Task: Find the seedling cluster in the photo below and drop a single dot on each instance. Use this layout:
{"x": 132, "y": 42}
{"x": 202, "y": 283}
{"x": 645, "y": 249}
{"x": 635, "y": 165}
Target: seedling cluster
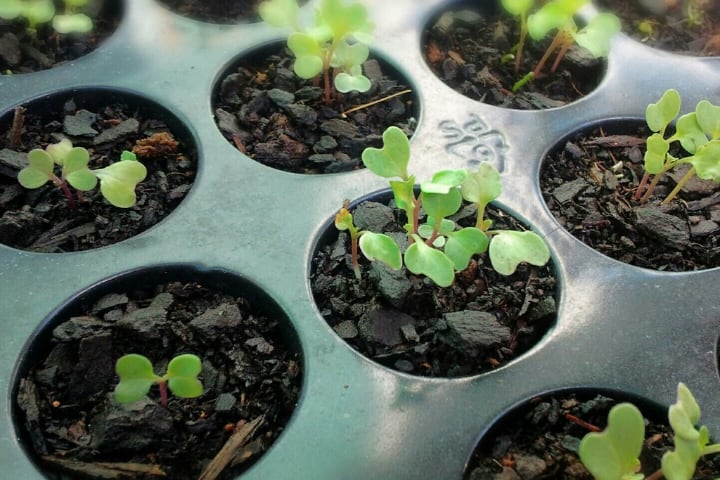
{"x": 117, "y": 180}
{"x": 39, "y": 12}
{"x": 698, "y": 133}
{"x": 438, "y": 247}
{"x": 137, "y": 376}
{"x": 614, "y": 453}
{"x": 335, "y": 46}
{"x": 559, "y": 16}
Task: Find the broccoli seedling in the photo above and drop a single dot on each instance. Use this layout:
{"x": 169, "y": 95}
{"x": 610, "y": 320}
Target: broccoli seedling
{"x": 519, "y": 8}
{"x": 438, "y": 247}
{"x": 137, "y": 376}
{"x": 335, "y": 46}
{"x": 698, "y": 133}
{"x": 614, "y": 453}
{"x": 38, "y": 12}
{"x": 117, "y": 180}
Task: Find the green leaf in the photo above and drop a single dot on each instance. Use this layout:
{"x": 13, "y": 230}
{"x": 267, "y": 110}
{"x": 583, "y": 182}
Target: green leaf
{"x": 59, "y": 151}
{"x": 38, "y": 171}
{"x": 279, "y": 13}
{"x": 689, "y": 133}
{"x": 38, "y": 11}
{"x": 422, "y": 259}
{"x": 675, "y": 467}
{"x": 656, "y": 153}
{"x": 550, "y": 16}
{"x": 343, "y": 19}
{"x": 76, "y": 171}
{"x": 182, "y": 375}
{"x": 75, "y": 23}
{"x": 659, "y": 115}
{"x": 392, "y": 159}
{"x": 354, "y": 81}
{"x": 463, "y": 244}
{"x": 404, "y": 194}
{"x": 482, "y": 185}
{"x": 118, "y": 181}
{"x": 136, "y": 377}
{"x": 707, "y": 161}
{"x": 613, "y": 454}
{"x": 127, "y": 155}
{"x": 708, "y": 117}
{"x": 595, "y": 36}
{"x": 378, "y": 246}
{"x": 439, "y": 205}
{"x": 348, "y": 55}
{"x": 517, "y": 7}
{"x": 509, "y": 248}
{"x": 443, "y": 180}
{"x": 308, "y": 55}
{"x": 10, "y": 9}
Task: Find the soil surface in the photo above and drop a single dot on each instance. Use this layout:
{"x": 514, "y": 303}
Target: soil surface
{"x": 465, "y": 49}
{"x": 671, "y": 29}
{"x": 248, "y": 373}
{"x": 22, "y": 51}
{"x": 539, "y": 441}
{"x": 589, "y": 184}
{"x": 282, "y": 121}
{"x": 43, "y": 220}
{"x": 407, "y": 323}
{"x": 217, "y": 11}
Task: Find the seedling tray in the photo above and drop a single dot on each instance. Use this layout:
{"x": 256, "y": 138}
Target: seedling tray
{"x": 619, "y": 328}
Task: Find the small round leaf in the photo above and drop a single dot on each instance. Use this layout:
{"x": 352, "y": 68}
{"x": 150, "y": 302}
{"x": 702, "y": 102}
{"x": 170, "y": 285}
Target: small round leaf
{"x": 509, "y": 248}
{"x": 422, "y": 259}
{"x": 378, "y": 246}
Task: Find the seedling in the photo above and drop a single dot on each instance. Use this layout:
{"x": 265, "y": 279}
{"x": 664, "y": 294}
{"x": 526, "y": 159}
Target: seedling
{"x": 698, "y": 133}
{"x": 438, "y": 247}
{"x": 38, "y": 12}
{"x": 117, "y": 181}
{"x": 614, "y": 453}
{"x": 137, "y": 376}
{"x": 335, "y": 46}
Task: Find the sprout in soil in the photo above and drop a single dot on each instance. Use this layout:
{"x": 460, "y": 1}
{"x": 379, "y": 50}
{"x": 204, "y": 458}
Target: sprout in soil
{"x": 117, "y": 180}
{"x": 38, "y": 12}
{"x": 698, "y": 133}
{"x": 335, "y": 46}
{"x": 438, "y": 247}
{"x": 559, "y": 16}
{"x": 614, "y": 453}
{"x": 137, "y": 376}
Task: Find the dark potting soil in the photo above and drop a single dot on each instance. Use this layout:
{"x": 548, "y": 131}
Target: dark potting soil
{"x": 589, "y": 184}
{"x": 539, "y": 441}
{"x": 282, "y": 121}
{"x": 248, "y": 373}
{"x": 408, "y": 323}
{"x": 22, "y": 51}
{"x": 43, "y": 220}
{"x": 217, "y": 11}
{"x": 465, "y": 49}
{"x": 672, "y": 30}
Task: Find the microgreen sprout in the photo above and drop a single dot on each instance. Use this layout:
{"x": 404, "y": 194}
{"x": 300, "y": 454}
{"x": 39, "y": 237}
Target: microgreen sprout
{"x": 614, "y": 453}
{"x": 698, "y": 133}
{"x": 335, "y": 46}
{"x": 38, "y": 12}
{"x": 117, "y": 180}
{"x": 137, "y": 376}
{"x": 438, "y": 247}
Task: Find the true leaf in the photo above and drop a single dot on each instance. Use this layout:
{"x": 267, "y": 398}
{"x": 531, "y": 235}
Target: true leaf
{"x": 392, "y": 159}
{"x": 443, "y": 180}
{"x": 59, "y": 151}
{"x": 378, "y": 246}
{"x": 509, "y": 248}
{"x": 422, "y": 259}
{"x": 659, "y": 115}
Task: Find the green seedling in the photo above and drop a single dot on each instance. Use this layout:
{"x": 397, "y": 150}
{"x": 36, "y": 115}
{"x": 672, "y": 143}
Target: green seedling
{"x": 335, "y": 46}
{"x": 614, "y": 453}
{"x": 438, "y": 247}
{"x": 137, "y": 376}
{"x": 39, "y": 12}
{"x": 519, "y": 8}
{"x": 559, "y": 16}
{"x": 117, "y": 181}
{"x": 697, "y": 132}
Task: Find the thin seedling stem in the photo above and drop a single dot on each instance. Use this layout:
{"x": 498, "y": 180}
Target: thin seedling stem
{"x": 679, "y": 186}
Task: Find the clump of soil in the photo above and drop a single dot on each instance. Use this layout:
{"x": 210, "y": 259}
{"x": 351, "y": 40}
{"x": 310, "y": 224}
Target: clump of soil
{"x": 282, "y": 121}
{"x": 22, "y": 51}
{"x": 43, "y": 220}
{"x": 540, "y": 440}
{"x": 408, "y": 323}
{"x": 671, "y": 28}
{"x": 589, "y": 184}
{"x": 249, "y": 374}
{"x": 466, "y": 49}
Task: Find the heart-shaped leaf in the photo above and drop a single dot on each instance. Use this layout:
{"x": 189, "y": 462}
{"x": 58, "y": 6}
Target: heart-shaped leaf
{"x": 182, "y": 375}
{"x": 352, "y": 82}
{"x": 463, "y": 244}
{"x": 708, "y": 117}
{"x": 707, "y": 161}
{"x": 596, "y": 35}
{"x": 378, "y": 246}
{"x": 689, "y": 132}
{"x": 659, "y": 115}
{"x": 118, "y": 182}
{"x": 392, "y": 159}
{"x": 509, "y": 248}
{"x": 439, "y": 205}
{"x": 279, "y": 13}
{"x": 38, "y": 171}
{"x": 76, "y": 171}
{"x": 422, "y": 259}
{"x": 656, "y": 153}
{"x": 136, "y": 377}
{"x": 482, "y": 185}
{"x": 517, "y": 7}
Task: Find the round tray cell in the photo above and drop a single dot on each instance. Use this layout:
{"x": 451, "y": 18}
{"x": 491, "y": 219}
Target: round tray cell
{"x": 105, "y": 122}
{"x": 281, "y": 120}
{"x": 469, "y": 45}
{"x": 407, "y": 323}
{"x": 689, "y": 27}
{"x": 217, "y": 11}
{"x": 23, "y": 50}
{"x": 539, "y": 438}
{"x": 589, "y": 181}
{"x": 64, "y": 410}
